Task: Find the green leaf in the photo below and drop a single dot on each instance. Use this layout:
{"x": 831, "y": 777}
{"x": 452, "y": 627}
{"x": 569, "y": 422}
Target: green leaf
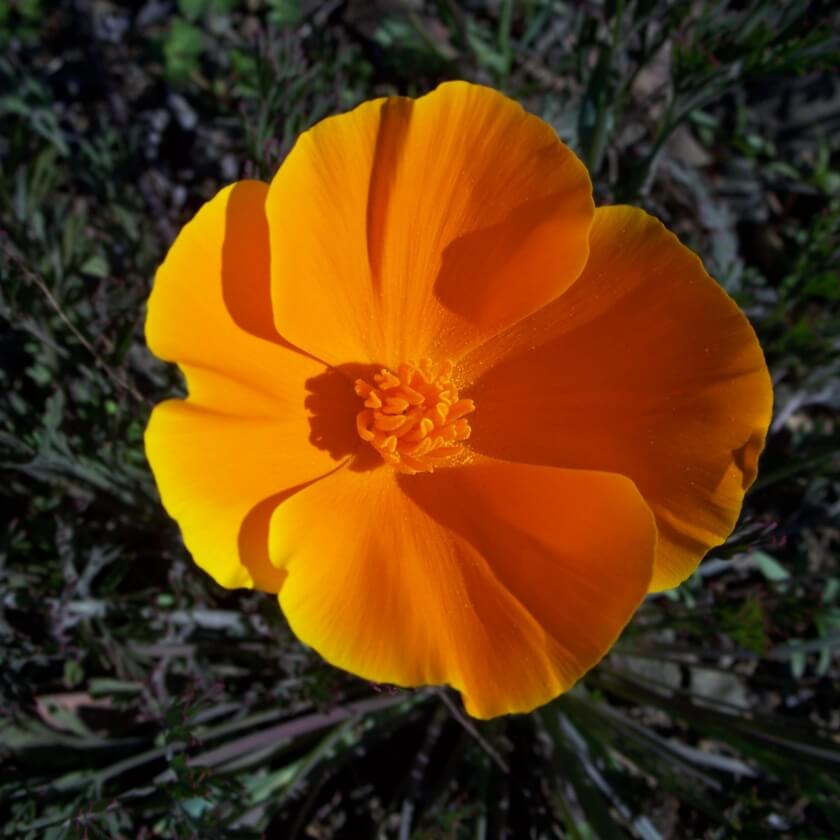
{"x": 284, "y": 12}
{"x": 182, "y": 50}
{"x": 770, "y": 567}
{"x": 96, "y": 266}
{"x": 104, "y": 686}
{"x": 193, "y": 9}
{"x": 74, "y": 674}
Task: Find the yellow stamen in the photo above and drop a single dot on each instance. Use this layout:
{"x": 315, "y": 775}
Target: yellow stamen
{"x": 414, "y": 418}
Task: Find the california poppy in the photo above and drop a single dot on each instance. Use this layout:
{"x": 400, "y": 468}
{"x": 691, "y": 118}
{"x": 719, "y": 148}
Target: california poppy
{"x": 459, "y": 420}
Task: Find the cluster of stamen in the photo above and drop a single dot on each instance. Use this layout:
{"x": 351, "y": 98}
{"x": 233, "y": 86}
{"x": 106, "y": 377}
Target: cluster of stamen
{"x": 414, "y": 418}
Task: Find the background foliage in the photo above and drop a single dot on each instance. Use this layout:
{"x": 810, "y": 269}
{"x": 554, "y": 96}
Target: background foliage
{"x": 140, "y": 700}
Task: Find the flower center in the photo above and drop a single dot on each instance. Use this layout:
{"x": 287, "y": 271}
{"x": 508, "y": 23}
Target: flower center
{"x": 414, "y": 418}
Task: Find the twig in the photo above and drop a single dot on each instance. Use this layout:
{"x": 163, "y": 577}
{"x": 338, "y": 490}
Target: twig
{"x": 56, "y": 306}
{"x": 470, "y": 727}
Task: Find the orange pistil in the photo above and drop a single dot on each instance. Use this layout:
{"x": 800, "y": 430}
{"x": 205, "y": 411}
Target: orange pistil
{"x": 414, "y": 418}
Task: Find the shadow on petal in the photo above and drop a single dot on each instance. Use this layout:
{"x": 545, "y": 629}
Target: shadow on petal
{"x": 246, "y": 279}
{"x": 333, "y": 404}
{"x": 246, "y": 276}
{"x": 391, "y": 137}
{"x": 253, "y": 542}
{"x": 495, "y": 275}
{"x": 745, "y": 458}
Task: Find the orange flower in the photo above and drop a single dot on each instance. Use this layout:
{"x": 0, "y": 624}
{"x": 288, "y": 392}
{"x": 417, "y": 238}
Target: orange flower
{"x": 458, "y": 419}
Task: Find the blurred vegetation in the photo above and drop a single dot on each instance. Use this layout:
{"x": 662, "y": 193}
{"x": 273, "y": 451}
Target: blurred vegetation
{"x": 138, "y": 699}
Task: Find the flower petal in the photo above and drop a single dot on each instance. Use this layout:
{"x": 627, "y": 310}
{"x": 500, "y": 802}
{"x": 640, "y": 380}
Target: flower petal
{"x": 210, "y": 307}
{"x": 507, "y": 581}
{"x": 213, "y": 471}
{"x": 244, "y": 436}
{"x": 644, "y": 367}
{"x": 407, "y": 228}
